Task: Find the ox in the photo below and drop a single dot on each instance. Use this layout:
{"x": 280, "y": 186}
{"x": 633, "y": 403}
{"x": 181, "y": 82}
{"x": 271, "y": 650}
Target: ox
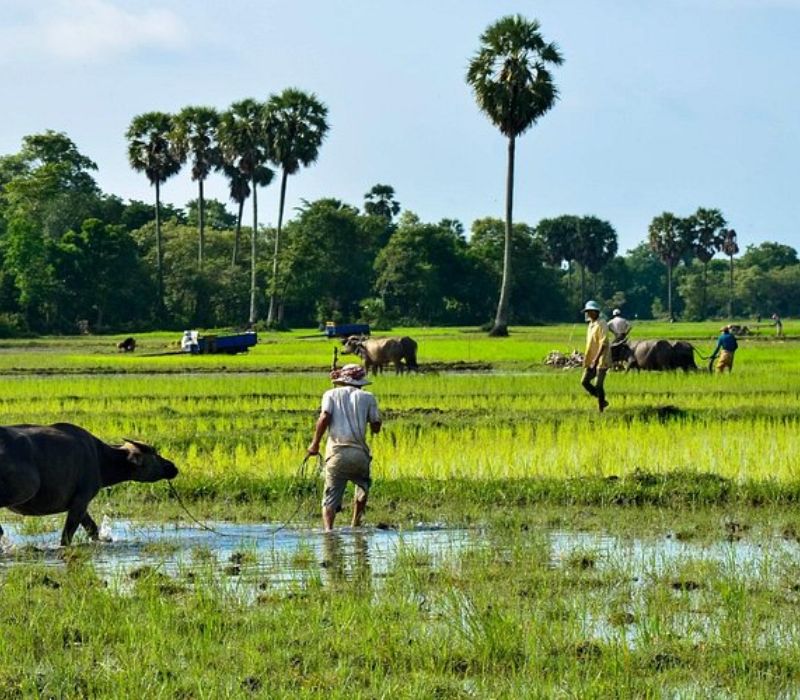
{"x": 127, "y": 345}
{"x": 378, "y": 352}
{"x": 657, "y": 355}
{"x": 46, "y": 469}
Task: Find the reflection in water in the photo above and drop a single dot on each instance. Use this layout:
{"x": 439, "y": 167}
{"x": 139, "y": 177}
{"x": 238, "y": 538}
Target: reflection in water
{"x": 335, "y": 558}
{"x": 277, "y": 556}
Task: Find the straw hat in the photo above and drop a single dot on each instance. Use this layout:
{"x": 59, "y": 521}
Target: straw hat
{"x": 352, "y": 375}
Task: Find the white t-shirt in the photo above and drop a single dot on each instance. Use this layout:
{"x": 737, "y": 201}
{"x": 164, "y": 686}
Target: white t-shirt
{"x": 350, "y": 409}
{"x": 619, "y": 326}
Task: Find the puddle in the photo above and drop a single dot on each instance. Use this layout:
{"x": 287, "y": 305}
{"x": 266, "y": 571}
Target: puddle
{"x": 656, "y": 555}
{"x": 251, "y": 558}
{"x": 247, "y": 555}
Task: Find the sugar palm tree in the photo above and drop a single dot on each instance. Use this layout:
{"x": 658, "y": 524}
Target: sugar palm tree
{"x": 730, "y": 247}
{"x": 670, "y": 238}
{"x": 380, "y": 201}
{"x": 708, "y": 227}
{"x": 239, "y": 191}
{"x": 296, "y": 124}
{"x": 510, "y": 76}
{"x": 150, "y": 150}
{"x": 243, "y": 141}
{"x": 195, "y": 136}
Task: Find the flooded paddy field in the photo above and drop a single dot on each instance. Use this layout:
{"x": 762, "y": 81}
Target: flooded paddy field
{"x": 496, "y": 610}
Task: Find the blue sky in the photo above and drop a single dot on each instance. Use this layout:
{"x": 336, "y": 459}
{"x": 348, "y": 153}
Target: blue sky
{"x": 666, "y": 105}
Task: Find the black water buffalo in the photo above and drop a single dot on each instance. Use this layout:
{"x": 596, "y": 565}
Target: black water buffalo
{"x": 683, "y": 355}
{"x": 127, "y": 345}
{"x": 46, "y": 469}
{"x": 378, "y": 352}
{"x": 657, "y": 355}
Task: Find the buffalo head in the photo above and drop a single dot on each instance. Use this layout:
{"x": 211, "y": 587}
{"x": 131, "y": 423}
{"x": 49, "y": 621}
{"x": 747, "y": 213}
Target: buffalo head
{"x": 146, "y": 464}
{"x": 352, "y": 344}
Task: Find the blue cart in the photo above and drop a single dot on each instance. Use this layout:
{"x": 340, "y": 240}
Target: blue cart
{"x": 225, "y": 344}
{"x": 343, "y": 330}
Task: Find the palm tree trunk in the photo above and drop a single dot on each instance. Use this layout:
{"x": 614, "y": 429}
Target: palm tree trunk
{"x": 237, "y": 234}
{"x": 705, "y": 292}
{"x": 583, "y": 284}
{"x": 730, "y": 300}
{"x": 500, "y": 327}
{"x": 159, "y": 271}
{"x": 253, "y": 257}
{"x": 669, "y": 290}
{"x": 202, "y": 225}
{"x": 274, "y": 281}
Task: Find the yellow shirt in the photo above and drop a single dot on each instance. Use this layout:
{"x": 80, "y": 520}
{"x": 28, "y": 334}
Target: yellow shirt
{"x": 596, "y": 335}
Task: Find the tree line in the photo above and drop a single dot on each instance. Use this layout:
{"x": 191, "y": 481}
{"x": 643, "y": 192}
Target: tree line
{"x": 71, "y": 253}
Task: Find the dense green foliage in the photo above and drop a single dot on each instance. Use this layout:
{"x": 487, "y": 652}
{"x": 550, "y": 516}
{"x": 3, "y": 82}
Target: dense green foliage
{"x": 70, "y": 253}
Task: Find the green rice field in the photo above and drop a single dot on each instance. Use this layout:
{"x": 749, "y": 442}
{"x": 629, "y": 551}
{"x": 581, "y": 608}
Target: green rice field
{"x": 650, "y": 551}
{"x": 251, "y": 416}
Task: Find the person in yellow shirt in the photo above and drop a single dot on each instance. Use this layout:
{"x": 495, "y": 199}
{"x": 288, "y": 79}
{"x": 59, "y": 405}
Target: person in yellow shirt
{"x": 597, "y": 358}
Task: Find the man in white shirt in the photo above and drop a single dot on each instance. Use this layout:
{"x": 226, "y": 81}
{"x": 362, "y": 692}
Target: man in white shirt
{"x": 619, "y": 326}
{"x": 346, "y": 412}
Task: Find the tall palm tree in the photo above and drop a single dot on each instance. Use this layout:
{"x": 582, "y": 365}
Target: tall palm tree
{"x": 730, "y": 247}
{"x": 510, "y": 76}
{"x": 380, "y": 201}
{"x": 670, "y": 238}
{"x": 150, "y": 150}
{"x": 708, "y": 227}
{"x": 239, "y": 190}
{"x": 195, "y": 137}
{"x": 243, "y": 139}
{"x": 296, "y": 124}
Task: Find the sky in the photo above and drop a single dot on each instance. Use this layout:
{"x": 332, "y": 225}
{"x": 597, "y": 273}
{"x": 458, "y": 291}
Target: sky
{"x": 664, "y": 105}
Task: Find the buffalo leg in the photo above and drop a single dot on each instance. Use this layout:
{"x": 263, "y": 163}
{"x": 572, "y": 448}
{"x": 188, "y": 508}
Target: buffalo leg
{"x": 75, "y": 516}
{"x": 90, "y": 526}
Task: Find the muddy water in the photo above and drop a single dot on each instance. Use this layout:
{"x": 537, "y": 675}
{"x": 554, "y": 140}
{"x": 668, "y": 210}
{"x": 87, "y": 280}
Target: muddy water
{"x": 273, "y": 555}
{"x": 270, "y": 555}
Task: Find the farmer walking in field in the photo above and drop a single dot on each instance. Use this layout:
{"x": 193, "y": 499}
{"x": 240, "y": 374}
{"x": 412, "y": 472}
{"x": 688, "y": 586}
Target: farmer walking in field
{"x": 726, "y": 348}
{"x": 346, "y": 411}
{"x": 776, "y": 320}
{"x": 597, "y": 358}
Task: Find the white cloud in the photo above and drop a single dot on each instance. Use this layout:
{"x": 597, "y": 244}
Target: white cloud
{"x": 92, "y": 29}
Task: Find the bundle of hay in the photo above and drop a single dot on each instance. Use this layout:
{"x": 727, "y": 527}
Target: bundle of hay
{"x": 559, "y": 359}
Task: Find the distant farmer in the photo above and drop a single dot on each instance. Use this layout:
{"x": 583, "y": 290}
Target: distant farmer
{"x": 726, "y": 348}
{"x": 346, "y": 412}
{"x": 778, "y": 325}
{"x": 597, "y": 358}
{"x": 619, "y": 326}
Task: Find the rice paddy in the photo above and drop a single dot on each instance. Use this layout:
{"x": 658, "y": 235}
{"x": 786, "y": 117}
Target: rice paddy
{"x": 649, "y": 551}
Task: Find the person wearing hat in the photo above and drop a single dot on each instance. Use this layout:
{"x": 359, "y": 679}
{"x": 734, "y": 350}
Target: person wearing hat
{"x": 726, "y": 348}
{"x": 597, "y": 358}
{"x": 619, "y": 326}
{"x": 346, "y": 411}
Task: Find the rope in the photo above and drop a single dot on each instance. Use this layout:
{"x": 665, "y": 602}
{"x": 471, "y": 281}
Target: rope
{"x": 300, "y": 477}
